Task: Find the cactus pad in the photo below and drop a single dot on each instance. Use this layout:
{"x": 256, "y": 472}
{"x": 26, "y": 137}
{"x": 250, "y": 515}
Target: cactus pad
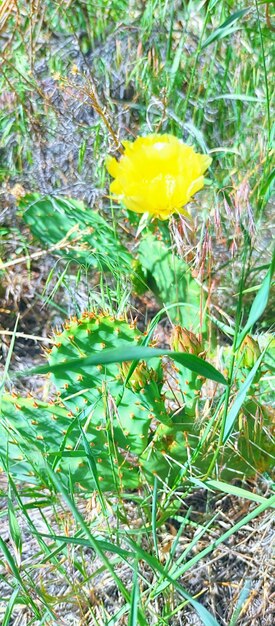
{"x": 85, "y": 235}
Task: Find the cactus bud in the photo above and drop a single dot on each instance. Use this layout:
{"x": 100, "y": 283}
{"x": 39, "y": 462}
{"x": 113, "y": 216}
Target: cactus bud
{"x": 250, "y": 352}
{"x": 183, "y": 340}
{"x": 140, "y": 377}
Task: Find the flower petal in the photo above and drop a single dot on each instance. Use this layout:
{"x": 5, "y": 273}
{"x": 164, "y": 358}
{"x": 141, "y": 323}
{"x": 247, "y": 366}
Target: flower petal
{"x": 157, "y": 174}
{"x": 112, "y": 166}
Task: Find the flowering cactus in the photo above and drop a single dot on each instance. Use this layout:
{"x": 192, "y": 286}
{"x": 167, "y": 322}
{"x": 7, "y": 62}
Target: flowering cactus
{"x": 157, "y": 174}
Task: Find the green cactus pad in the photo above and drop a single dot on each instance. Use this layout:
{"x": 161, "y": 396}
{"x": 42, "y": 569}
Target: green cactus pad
{"x": 87, "y": 237}
{"x": 94, "y": 394}
{"x": 170, "y": 279}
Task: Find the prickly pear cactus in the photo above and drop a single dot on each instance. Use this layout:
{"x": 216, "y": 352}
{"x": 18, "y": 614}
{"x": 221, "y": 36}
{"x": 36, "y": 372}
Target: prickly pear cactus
{"x": 188, "y": 385}
{"x": 255, "y": 421}
{"x": 86, "y": 412}
{"x": 251, "y": 446}
{"x": 108, "y": 430}
{"x": 172, "y": 447}
{"x": 79, "y": 233}
{"x": 117, "y": 428}
{"x": 31, "y": 431}
{"x": 170, "y": 279}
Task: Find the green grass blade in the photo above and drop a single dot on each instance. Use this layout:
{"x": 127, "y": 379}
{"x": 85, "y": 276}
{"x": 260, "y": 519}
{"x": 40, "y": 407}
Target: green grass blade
{"x": 93, "y": 542}
{"x": 225, "y": 28}
{"x": 80, "y": 541}
{"x": 9, "y": 608}
{"x": 155, "y": 565}
{"x": 154, "y": 515}
{"x": 240, "y": 397}
{"x": 265, "y": 71}
{"x": 119, "y": 355}
{"x": 135, "y": 596}
{"x": 270, "y": 503}
{"x": 192, "y": 545}
{"x": 230, "y": 489}
{"x": 14, "y": 530}
{"x": 8, "y": 360}
{"x": 236, "y": 96}
{"x": 259, "y": 303}
{"x": 93, "y": 469}
{"x": 240, "y": 603}
{"x": 14, "y": 569}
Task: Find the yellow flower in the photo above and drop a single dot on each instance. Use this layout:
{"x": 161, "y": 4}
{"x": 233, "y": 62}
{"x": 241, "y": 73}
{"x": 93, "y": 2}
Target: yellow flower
{"x": 157, "y": 174}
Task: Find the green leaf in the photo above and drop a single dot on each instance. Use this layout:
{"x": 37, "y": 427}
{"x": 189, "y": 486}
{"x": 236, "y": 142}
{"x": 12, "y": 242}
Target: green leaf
{"x": 240, "y": 397}
{"x": 259, "y": 303}
{"x": 233, "y": 490}
{"x": 203, "y": 613}
{"x": 225, "y": 29}
{"x": 135, "y": 597}
{"x": 119, "y": 355}
{"x": 9, "y": 607}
